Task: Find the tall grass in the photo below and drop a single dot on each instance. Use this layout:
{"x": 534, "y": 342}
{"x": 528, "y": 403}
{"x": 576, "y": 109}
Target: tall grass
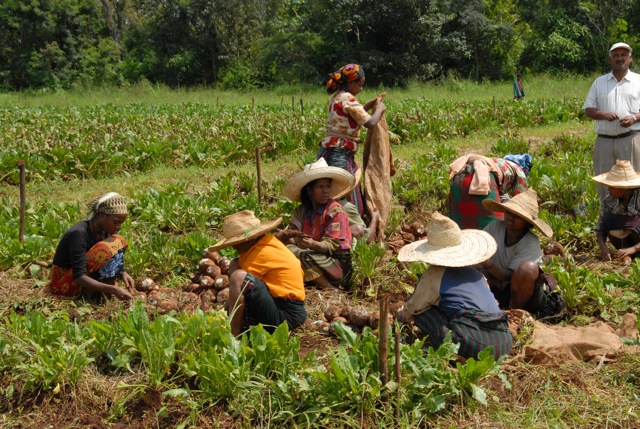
{"x": 450, "y": 88}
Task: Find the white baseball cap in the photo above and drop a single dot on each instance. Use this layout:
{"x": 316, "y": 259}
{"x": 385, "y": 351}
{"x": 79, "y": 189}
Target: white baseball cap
{"x": 621, "y": 45}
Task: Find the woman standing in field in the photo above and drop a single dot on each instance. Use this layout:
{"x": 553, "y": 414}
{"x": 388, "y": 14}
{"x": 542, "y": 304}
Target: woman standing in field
{"x": 345, "y": 118}
{"x": 319, "y": 233}
{"x": 619, "y": 219}
{"x": 90, "y": 255}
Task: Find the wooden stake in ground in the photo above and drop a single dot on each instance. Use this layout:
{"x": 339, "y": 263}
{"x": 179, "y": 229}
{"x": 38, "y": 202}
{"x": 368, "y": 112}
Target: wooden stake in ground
{"x": 23, "y": 199}
{"x": 259, "y": 175}
{"x": 396, "y": 330}
{"x": 383, "y": 340}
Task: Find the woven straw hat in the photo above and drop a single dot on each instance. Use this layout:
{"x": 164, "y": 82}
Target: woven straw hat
{"x": 341, "y": 180}
{"x": 524, "y": 205}
{"x": 243, "y": 226}
{"x": 357, "y": 175}
{"x": 449, "y": 246}
{"x": 622, "y": 175}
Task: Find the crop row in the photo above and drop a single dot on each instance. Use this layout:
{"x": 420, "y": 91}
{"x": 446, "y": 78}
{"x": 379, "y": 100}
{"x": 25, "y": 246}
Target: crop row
{"x": 99, "y": 141}
{"x": 196, "y": 360}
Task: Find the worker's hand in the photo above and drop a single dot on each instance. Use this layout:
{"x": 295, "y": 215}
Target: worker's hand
{"x": 627, "y": 121}
{"x": 605, "y": 254}
{"x": 122, "y": 294}
{"x": 627, "y": 251}
{"x": 128, "y": 281}
{"x": 609, "y": 116}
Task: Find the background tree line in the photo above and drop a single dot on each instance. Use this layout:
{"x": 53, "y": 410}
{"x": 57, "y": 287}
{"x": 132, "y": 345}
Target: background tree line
{"x": 255, "y": 43}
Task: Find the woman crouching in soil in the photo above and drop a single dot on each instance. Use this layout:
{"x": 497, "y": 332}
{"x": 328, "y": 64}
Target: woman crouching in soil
{"x": 90, "y": 255}
{"x": 452, "y": 296}
{"x": 265, "y": 280}
{"x": 619, "y": 218}
{"x": 319, "y": 233}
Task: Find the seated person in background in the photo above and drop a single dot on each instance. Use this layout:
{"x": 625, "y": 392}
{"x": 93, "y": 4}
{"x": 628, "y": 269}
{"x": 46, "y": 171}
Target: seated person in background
{"x": 475, "y": 178}
{"x": 358, "y": 228}
{"x": 265, "y": 280}
{"x": 513, "y": 272}
{"x": 90, "y": 255}
{"x": 619, "y": 218}
{"x": 451, "y": 296}
{"x": 319, "y": 233}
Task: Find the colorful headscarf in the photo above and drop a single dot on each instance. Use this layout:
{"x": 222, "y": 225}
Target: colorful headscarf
{"x": 347, "y": 73}
{"x": 110, "y": 203}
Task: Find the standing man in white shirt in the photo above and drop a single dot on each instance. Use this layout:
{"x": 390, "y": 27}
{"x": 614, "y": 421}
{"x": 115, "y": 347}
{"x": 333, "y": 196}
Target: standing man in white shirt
{"x": 614, "y": 103}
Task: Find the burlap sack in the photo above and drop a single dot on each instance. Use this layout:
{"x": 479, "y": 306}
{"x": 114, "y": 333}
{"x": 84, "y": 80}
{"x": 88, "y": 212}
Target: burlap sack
{"x": 378, "y": 169}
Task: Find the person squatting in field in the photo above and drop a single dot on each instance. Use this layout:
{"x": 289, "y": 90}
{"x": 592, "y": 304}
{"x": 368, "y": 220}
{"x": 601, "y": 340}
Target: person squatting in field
{"x": 619, "y": 219}
{"x": 614, "y": 103}
{"x": 452, "y": 296}
{"x": 475, "y": 178}
{"x": 514, "y": 272}
{"x": 90, "y": 254}
{"x": 319, "y": 233}
{"x": 345, "y": 118}
{"x": 265, "y": 280}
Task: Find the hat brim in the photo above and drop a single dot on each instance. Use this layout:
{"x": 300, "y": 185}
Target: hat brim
{"x": 357, "y": 176}
{"x": 260, "y": 230}
{"x": 495, "y": 206}
{"x": 341, "y": 181}
{"x": 627, "y": 184}
{"x": 476, "y": 246}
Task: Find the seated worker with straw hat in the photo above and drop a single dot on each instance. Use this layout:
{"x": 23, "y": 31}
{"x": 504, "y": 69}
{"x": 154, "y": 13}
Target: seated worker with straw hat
{"x": 90, "y": 255}
{"x": 359, "y": 228}
{"x": 265, "y": 280}
{"x": 319, "y": 233}
{"x": 514, "y": 272}
{"x": 619, "y": 218}
{"x": 452, "y": 296}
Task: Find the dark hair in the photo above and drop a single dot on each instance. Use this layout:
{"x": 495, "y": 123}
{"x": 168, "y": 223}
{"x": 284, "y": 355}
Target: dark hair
{"x": 305, "y": 198}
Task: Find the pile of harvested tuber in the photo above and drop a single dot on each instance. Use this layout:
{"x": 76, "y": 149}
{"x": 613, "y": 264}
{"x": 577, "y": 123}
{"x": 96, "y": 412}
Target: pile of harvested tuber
{"x": 208, "y": 287}
{"x": 356, "y": 317}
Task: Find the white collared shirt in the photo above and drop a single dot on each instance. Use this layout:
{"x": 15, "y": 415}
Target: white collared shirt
{"x": 609, "y": 95}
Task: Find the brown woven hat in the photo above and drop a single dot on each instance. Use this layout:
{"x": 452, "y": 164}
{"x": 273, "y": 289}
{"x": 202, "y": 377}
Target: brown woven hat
{"x": 341, "y": 180}
{"x": 243, "y": 226}
{"x": 449, "y": 246}
{"x": 622, "y": 175}
{"x": 524, "y": 205}
{"x": 357, "y": 175}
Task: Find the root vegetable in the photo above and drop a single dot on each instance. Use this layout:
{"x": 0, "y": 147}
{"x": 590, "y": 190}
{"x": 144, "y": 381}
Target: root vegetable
{"x": 224, "y": 265}
{"x": 206, "y": 282}
{"x": 190, "y": 287}
{"x": 359, "y": 316}
{"x": 221, "y": 282}
{"x": 213, "y": 255}
{"x": 223, "y": 296}
{"x": 209, "y": 268}
{"x": 346, "y": 311}
{"x": 332, "y": 312}
{"x": 146, "y": 285}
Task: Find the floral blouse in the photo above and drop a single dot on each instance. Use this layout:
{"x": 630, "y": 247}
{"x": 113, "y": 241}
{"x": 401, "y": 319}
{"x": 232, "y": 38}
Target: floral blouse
{"x": 514, "y": 179}
{"x": 345, "y": 119}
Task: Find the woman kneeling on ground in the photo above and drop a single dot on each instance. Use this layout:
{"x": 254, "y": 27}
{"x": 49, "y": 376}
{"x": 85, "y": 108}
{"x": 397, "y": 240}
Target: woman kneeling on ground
{"x": 514, "y": 272}
{"x": 265, "y": 280}
{"x": 319, "y": 233}
{"x": 90, "y": 255}
{"x": 619, "y": 218}
{"x": 452, "y": 296}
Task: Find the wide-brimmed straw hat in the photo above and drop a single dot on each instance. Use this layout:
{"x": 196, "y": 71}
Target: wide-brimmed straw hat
{"x": 341, "y": 180}
{"x": 449, "y": 246}
{"x": 243, "y": 226}
{"x": 524, "y": 205}
{"x": 357, "y": 175}
{"x": 622, "y": 175}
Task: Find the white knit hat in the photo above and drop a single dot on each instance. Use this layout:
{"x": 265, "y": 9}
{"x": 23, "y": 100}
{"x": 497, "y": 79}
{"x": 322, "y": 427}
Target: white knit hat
{"x": 109, "y": 203}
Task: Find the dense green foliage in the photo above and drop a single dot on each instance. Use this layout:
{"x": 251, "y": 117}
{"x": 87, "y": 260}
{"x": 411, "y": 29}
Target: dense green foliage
{"x": 252, "y": 43}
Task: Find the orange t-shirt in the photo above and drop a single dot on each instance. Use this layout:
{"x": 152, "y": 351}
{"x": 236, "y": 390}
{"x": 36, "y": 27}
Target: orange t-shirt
{"x": 270, "y": 261}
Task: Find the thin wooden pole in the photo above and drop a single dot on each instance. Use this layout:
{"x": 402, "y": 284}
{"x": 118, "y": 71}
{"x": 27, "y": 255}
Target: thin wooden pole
{"x": 259, "y": 175}
{"x": 383, "y": 340}
{"x": 397, "y": 329}
{"x": 302, "y": 106}
{"x": 23, "y": 199}
{"x": 253, "y": 103}
{"x": 293, "y": 103}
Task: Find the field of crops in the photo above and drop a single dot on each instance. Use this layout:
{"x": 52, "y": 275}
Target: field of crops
{"x": 185, "y": 166}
